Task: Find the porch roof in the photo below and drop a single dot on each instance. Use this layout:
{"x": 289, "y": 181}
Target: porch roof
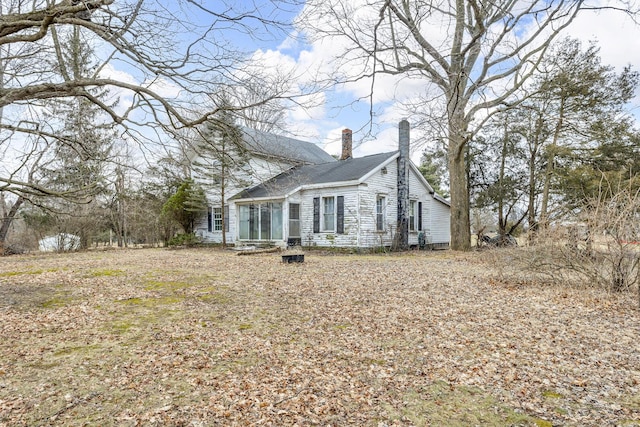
{"x": 332, "y": 173}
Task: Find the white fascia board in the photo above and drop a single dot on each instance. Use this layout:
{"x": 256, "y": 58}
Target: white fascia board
{"x": 441, "y": 199}
{"x": 321, "y": 186}
{"x": 353, "y": 183}
{"x": 258, "y": 199}
{"x": 327, "y": 185}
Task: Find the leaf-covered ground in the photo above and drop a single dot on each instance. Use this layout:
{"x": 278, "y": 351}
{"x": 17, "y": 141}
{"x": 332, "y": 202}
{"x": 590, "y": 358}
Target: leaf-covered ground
{"x": 205, "y": 337}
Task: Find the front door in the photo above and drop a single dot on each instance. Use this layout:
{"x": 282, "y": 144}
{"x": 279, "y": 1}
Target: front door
{"x": 294, "y": 237}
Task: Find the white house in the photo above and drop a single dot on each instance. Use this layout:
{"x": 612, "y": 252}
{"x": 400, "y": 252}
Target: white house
{"x": 301, "y": 195}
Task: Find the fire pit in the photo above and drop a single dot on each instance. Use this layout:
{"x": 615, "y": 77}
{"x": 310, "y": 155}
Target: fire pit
{"x": 288, "y": 259}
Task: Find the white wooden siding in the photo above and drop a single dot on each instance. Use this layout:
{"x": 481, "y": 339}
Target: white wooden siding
{"x": 379, "y": 184}
{"x": 359, "y": 209}
{"x": 440, "y": 220}
{"x": 256, "y": 171}
{"x": 331, "y": 238}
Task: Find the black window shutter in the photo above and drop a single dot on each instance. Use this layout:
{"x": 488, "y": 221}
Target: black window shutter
{"x": 209, "y": 219}
{"x": 419, "y": 216}
{"x": 340, "y": 215}
{"x": 316, "y": 214}
{"x": 226, "y": 218}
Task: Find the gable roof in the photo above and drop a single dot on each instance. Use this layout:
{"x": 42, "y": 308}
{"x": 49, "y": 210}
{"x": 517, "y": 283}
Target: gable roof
{"x": 350, "y": 170}
{"x": 283, "y": 147}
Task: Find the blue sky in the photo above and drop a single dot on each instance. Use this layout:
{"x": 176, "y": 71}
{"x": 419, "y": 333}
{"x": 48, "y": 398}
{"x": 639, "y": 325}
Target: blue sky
{"x": 617, "y": 36}
{"x": 348, "y": 106}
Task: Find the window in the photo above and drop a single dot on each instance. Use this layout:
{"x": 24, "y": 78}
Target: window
{"x": 214, "y": 219}
{"x": 328, "y": 213}
{"x": 217, "y": 219}
{"x": 381, "y": 208}
{"x": 276, "y": 221}
{"x": 260, "y": 221}
{"x": 294, "y": 220}
{"x": 412, "y": 215}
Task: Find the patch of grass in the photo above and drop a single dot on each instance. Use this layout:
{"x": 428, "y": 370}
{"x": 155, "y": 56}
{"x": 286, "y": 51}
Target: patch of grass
{"x": 629, "y": 423}
{"x": 152, "y": 302}
{"x": 444, "y": 404}
{"x": 169, "y": 285}
{"x": 377, "y": 362}
{"x": 238, "y": 362}
{"x": 342, "y": 326}
{"x": 214, "y": 295}
{"x": 550, "y": 394}
{"x": 632, "y": 402}
{"x": 106, "y": 273}
{"x": 121, "y": 327}
{"x": 80, "y": 349}
{"x": 561, "y": 411}
{"x": 245, "y": 326}
{"x": 214, "y": 298}
{"x": 139, "y": 315}
{"x": 25, "y": 272}
{"x": 57, "y": 301}
{"x": 43, "y": 365}
{"x": 12, "y": 273}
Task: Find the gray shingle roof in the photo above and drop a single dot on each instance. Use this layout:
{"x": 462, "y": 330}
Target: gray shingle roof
{"x": 325, "y": 173}
{"x": 283, "y": 147}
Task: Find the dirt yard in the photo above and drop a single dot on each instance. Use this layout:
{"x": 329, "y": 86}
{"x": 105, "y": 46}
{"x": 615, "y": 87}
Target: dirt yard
{"x": 205, "y": 338}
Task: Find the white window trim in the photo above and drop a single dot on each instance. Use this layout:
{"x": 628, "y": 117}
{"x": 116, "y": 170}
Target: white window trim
{"x": 323, "y": 212}
{"x": 258, "y": 206}
{"x": 217, "y": 223}
{"x": 413, "y": 213}
{"x": 383, "y": 213}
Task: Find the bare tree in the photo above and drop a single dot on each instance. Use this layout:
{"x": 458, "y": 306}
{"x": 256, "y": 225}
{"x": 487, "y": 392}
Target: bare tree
{"x": 474, "y": 57}
{"x": 158, "y": 58}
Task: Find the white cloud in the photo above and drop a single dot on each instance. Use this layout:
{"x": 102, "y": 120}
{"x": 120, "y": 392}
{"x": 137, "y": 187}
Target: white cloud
{"x": 616, "y": 34}
{"x": 310, "y": 107}
{"x": 347, "y": 105}
{"x": 292, "y": 42}
{"x": 109, "y": 72}
{"x": 163, "y": 88}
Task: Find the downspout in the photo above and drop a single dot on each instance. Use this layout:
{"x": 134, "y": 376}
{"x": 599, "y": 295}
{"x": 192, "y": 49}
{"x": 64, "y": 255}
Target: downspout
{"x": 358, "y": 215}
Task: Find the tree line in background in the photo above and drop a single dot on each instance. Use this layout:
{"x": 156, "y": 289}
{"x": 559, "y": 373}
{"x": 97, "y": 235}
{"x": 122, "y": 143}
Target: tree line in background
{"x": 532, "y": 129}
{"x": 472, "y": 59}
{"x": 92, "y": 91}
{"x": 570, "y": 141}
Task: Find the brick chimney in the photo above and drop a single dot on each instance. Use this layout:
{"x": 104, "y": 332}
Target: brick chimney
{"x": 347, "y": 144}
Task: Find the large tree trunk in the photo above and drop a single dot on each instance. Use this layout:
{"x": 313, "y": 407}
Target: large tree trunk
{"x": 460, "y": 224}
{"x": 531, "y": 207}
